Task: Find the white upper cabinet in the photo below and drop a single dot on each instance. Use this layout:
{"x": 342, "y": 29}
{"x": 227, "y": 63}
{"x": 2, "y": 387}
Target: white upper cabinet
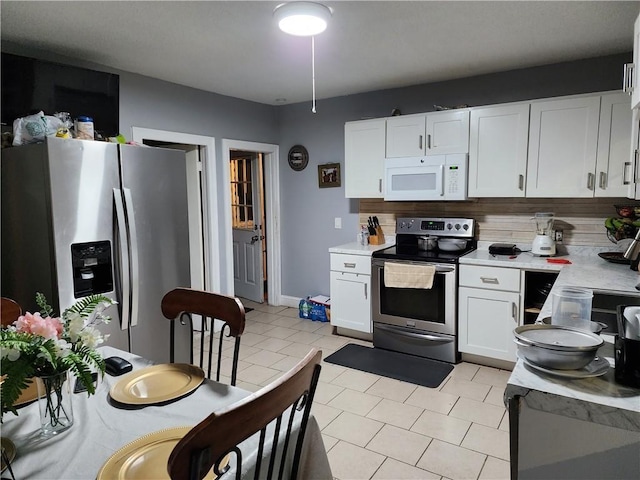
{"x": 498, "y": 151}
{"x": 364, "y": 151}
{"x": 563, "y": 141}
{"x": 632, "y": 71}
{"x": 405, "y": 136}
{"x": 614, "y": 169}
{"x": 447, "y": 132}
{"x": 433, "y": 133}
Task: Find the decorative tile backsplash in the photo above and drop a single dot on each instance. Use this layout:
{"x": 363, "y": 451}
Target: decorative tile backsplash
{"x": 508, "y": 219}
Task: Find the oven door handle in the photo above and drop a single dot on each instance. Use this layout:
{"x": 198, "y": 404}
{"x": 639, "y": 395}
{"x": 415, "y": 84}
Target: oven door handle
{"x": 422, "y": 336}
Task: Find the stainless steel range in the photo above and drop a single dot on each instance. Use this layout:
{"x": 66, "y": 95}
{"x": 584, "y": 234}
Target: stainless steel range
{"x": 421, "y": 321}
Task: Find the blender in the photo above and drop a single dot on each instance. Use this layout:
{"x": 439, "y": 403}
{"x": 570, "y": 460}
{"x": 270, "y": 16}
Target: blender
{"x": 543, "y": 244}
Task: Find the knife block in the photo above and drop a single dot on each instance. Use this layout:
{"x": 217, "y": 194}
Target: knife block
{"x": 378, "y": 238}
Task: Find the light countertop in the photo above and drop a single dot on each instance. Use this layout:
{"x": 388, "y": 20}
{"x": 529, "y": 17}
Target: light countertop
{"x": 354, "y": 248}
{"x": 586, "y": 269}
{"x": 600, "y": 399}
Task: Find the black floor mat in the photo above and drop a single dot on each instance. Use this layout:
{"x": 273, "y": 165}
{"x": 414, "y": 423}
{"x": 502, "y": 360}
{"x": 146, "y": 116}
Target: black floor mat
{"x": 248, "y": 309}
{"x": 408, "y": 368}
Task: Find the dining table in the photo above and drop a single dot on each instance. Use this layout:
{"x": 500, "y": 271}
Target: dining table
{"x": 103, "y": 427}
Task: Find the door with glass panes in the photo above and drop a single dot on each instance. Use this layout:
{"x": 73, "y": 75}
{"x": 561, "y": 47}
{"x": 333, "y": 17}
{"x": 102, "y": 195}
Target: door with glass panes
{"x": 247, "y": 225}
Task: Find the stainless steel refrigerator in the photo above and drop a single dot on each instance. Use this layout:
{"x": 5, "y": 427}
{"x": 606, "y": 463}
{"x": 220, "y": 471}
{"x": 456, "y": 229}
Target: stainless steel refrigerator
{"x": 82, "y": 217}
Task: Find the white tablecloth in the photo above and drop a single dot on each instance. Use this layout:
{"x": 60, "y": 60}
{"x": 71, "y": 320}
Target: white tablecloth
{"x": 101, "y": 429}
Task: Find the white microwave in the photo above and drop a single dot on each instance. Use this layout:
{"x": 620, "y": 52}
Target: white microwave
{"x": 433, "y": 177}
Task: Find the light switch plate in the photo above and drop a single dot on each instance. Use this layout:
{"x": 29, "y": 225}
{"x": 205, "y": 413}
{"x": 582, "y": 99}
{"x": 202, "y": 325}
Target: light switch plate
{"x": 338, "y": 222}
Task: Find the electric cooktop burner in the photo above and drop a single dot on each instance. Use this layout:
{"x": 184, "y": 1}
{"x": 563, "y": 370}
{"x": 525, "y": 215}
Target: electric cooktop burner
{"x": 408, "y": 230}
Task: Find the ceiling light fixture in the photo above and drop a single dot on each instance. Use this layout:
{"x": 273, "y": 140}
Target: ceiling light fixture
{"x": 304, "y": 19}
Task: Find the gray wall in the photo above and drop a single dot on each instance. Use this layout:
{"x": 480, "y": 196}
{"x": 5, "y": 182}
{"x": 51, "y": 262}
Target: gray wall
{"x": 308, "y": 212}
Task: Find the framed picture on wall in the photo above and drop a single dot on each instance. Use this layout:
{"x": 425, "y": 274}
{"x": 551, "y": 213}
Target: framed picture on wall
{"x": 329, "y": 175}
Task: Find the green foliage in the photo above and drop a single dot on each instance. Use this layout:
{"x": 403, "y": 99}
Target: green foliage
{"x": 85, "y": 306}
{"x": 45, "y": 308}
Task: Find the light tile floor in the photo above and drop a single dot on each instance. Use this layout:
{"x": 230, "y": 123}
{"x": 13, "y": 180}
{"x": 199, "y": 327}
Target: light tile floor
{"x": 379, "y": 428}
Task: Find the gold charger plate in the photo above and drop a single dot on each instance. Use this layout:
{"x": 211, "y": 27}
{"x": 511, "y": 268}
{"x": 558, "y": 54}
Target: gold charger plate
{"x": 147, "y": 457}
{"x": 9, "y": 449}
{"x": 157, "y": 384}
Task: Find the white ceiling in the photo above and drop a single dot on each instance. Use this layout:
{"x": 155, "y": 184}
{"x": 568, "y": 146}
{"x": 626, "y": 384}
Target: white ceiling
{"x": 234, "y": 47}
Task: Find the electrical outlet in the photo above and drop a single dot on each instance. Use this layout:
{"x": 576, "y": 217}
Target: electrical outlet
{"x": 558, "y": 236}
{"x": 338, "y": 222}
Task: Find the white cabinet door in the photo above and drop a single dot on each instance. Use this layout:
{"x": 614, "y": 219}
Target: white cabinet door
{"x": 486, "y": 322}
{"x": 447, "y": 132}
{"x": 364, "y": 150}
{"x": 635, "y": 92}
{"x": 405, "y": 136}
{"x": 634, "y": 187}
{"x": 613, "y": 163}
{"x": 563, "y": 140}
{"x": 351, "y": 301}
{"x": 498, "y": 142}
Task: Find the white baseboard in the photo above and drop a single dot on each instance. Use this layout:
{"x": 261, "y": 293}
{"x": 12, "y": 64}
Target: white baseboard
{"x": 288, "y": 301}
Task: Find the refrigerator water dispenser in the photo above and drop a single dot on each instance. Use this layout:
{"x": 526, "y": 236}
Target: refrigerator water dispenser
{"x": 92, "y": 268}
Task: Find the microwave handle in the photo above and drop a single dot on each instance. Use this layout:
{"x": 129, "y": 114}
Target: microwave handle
{"x": 442, "y": 177}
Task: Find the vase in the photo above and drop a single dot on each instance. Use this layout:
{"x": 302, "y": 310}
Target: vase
{"x": 54, "y": 402}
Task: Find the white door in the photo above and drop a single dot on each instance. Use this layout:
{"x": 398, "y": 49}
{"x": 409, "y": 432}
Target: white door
{"x": 563, "y": 140}
{"x": 498, "y": 151}
{"x": 364, "y": 152}
{"x": 487, "y": 319}
{"x": 247, "y": 223}
{"x": 447, "y": 132}
{"x": 405, "y": 136}
{"x": 613, "y": 164}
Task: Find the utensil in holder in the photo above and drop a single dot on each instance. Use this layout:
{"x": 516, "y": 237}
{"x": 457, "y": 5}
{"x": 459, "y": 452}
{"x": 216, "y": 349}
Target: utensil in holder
{"x": 378, "y": 238}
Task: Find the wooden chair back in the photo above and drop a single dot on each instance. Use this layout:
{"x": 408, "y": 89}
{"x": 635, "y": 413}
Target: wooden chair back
{"x": 181, "y": 303}
{"x": 9, "y": 311}
{"x": 287, "y": 399}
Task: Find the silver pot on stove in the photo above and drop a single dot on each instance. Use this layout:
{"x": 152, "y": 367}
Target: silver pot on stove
{"x": 427, "y": 242}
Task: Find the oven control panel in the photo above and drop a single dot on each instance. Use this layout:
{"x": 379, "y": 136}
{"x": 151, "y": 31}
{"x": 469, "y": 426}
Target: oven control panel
{"x": 449, "y": 227}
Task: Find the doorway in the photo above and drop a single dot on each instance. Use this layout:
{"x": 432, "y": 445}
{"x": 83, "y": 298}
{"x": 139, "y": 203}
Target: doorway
{"x": 216, "y": 205}
{"x": 270, "y": 206}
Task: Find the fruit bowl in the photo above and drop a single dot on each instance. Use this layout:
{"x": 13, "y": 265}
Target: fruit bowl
{"x": 628, "y": 211}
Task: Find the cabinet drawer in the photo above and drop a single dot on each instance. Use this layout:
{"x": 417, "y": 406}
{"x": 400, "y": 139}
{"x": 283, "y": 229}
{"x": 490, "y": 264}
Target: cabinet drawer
{"x": 341, "y": 262}
{"x": 491, "y": 278}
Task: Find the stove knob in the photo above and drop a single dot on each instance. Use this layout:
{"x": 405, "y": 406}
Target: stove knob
{"x": 449, "y": 226}
{"x": 466, "y": 226}
{"x": 403, "y": 225}
{"x": 457, "y": 226}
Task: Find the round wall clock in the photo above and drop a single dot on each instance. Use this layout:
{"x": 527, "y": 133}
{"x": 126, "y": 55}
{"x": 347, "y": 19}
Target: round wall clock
{"x": 298, "y": 158}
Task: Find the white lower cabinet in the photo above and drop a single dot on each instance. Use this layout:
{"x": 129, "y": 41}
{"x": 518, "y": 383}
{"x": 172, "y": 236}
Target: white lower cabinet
{"x": 350, "y": 285}
{"x": 488, "y": 315}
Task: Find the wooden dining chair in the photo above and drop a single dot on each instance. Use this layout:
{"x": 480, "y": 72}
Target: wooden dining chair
{"x": 9, "y": 311}
{"x": 285, "y": 400}
{"x": 181, "y": 303}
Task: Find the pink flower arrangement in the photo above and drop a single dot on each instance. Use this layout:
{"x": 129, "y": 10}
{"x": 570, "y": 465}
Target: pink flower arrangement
{"x": 34, "y": 323}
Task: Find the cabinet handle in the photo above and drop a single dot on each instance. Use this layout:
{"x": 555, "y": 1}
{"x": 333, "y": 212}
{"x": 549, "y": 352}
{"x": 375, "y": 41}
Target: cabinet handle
{"x": 420, "y": 142}
{"x": 429, "y": 141}
{"x": 514, "y": 311}
{"x": 366, "y": 295}
{"x": 521, "y": 182}
{"x": 349, "y": 265}
{"x": 380, "y": 185}
{"x": 627, "y": 78}
{"x": 590, "y": 181}
{"x": 603, "y": 180}
{"x": 627, "y": 166}
{"x": 492, "y": 280}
